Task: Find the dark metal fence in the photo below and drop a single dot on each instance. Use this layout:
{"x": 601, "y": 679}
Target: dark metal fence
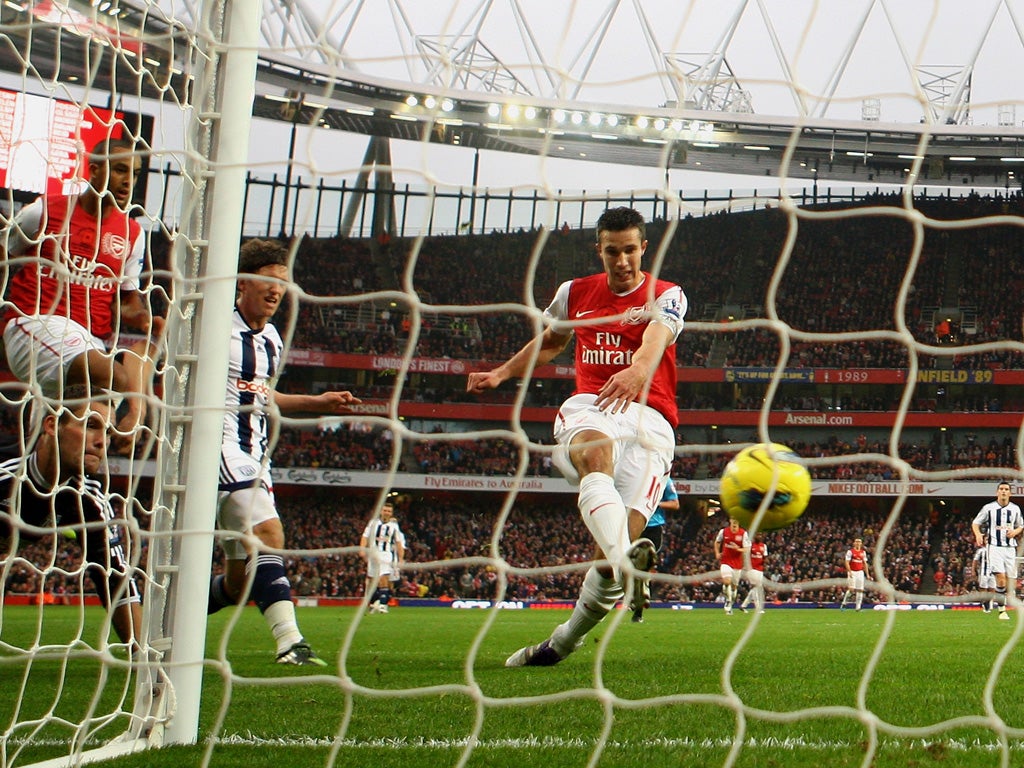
{"x": 273, "y": 206}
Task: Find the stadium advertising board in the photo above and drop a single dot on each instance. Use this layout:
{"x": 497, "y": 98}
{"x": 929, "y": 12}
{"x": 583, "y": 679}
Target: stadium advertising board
{"x": 718, "y": 418}
{"x": 887, "y": 488}
{"x": 408, "y": 481}
{"x": 319, "y": 359}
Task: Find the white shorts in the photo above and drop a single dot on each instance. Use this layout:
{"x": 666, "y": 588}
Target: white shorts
{"x": 239, "y": 511}
{"x": 240, "y": 470}
{"x": 42, "y": 348}
{"x": 986, "y": 581}
{"x": 643, "y": 448}
{"x": 855, "y": 581}
{"x": 727, "y": 572}
{"x": 378, "y": 564}
{"x": 754, "y": 578}
{"x": 1003, "y": 560}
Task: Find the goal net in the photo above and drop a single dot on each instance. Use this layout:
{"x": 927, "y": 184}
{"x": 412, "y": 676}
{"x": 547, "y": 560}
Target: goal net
{"x": 837, "y": 195}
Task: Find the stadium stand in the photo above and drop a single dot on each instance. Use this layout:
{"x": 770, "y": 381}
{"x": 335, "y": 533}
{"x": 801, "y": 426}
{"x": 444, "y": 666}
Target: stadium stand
{"x": 830, "y": 259}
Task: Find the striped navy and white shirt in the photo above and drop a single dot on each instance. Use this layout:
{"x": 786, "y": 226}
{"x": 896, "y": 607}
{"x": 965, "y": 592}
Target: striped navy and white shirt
{"x": 254, "y": 362}
{"x": 384, "y": 537}
{"x": 981, "y": 566}
{"x": 399, "y": 542}
{"x": 999, "y": 520}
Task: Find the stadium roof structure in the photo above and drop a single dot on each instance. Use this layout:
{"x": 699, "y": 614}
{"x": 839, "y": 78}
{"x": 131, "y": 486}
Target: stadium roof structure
{"x": 724, "y": 142}
{"x": 457, "y": 90}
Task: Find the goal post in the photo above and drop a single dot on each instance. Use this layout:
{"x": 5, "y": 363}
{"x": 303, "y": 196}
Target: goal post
{"x": 226, "y": 87}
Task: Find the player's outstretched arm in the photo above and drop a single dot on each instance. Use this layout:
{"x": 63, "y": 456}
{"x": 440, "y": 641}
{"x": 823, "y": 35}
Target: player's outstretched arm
{"x": 134, "y": 314}
{"x": 334, "y": 402}
{"x": 547, "y": 346}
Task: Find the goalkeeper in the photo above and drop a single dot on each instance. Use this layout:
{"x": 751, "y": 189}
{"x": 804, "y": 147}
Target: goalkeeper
{"x": 615, "y": 435}
{"x": 56, "y": 486}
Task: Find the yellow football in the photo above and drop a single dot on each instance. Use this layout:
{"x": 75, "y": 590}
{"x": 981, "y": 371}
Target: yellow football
{"x": 762, "y": 470}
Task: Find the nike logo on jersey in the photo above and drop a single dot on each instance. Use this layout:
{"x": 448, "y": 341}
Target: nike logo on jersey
{"x": 585, "y": 312}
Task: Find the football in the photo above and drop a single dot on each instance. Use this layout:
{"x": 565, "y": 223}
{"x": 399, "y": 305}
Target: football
{"x": 748, "y": 478}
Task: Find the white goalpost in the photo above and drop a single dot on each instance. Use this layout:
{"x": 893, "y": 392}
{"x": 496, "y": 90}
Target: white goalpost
{"x": 225, "y": 87}
{"x": 435, "y": 174}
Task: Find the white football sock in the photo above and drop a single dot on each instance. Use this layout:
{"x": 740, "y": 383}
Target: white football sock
{"x": 281, "y": 619}
{"x": 597, "y": 597}
{"x": 605, "y": 516}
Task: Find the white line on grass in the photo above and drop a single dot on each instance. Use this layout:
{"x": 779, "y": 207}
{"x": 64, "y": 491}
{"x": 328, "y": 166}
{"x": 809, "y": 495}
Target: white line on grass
{"x": 532, "y": 742}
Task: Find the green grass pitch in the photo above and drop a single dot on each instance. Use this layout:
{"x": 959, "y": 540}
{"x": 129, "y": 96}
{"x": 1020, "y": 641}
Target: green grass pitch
{"x": 426, "y": 687}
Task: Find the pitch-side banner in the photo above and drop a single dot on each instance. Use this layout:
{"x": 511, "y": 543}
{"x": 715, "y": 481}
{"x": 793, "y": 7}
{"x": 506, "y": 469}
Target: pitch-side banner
{"x": 700, "y": 488}
{"x": 307, "y": 358}
{"x": 407, "y": 481}
{"x": 751, "y": 418}
{"x": 709, "y": 488}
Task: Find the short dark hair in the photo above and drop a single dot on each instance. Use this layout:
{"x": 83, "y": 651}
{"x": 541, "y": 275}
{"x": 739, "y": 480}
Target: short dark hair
{"x": 621, "y": 219}
{"x": 77, "y": 397}
{"x": 103, "y": 149}
{"x": 256, "y": 254}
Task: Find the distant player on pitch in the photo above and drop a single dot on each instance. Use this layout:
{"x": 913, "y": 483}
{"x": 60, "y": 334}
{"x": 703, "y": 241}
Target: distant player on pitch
{"x": 731, "y": 546}
{"x": 1004, "y": 523}
{"x": 384, "y": 544}
{"x": 856, "y": 567}
{"x": 983, "y": 574}
{"x": 753, "y": 573}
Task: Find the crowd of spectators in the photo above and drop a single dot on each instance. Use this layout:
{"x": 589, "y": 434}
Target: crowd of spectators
{"x": 352, "y": 445}
{"x": 552, "y": 536}
{"x": 355, "y": 446}
{"x": 543, "y": 548}
{"x": 491, "y": 457}
{"x": 545, "y": 535}
{"x": 842, "y": 274}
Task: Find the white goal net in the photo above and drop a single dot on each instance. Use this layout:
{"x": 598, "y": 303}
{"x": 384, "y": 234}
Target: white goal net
{"x": 835, "y": 190}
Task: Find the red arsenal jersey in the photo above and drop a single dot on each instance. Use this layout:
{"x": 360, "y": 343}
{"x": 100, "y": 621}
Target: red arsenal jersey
{"x": 91, "y": 262}
{"x": 604, "y": 349}
{"x": 758, "y": 550}
{"x": 857, "y": 559}
{"x": 730, "y": 556}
